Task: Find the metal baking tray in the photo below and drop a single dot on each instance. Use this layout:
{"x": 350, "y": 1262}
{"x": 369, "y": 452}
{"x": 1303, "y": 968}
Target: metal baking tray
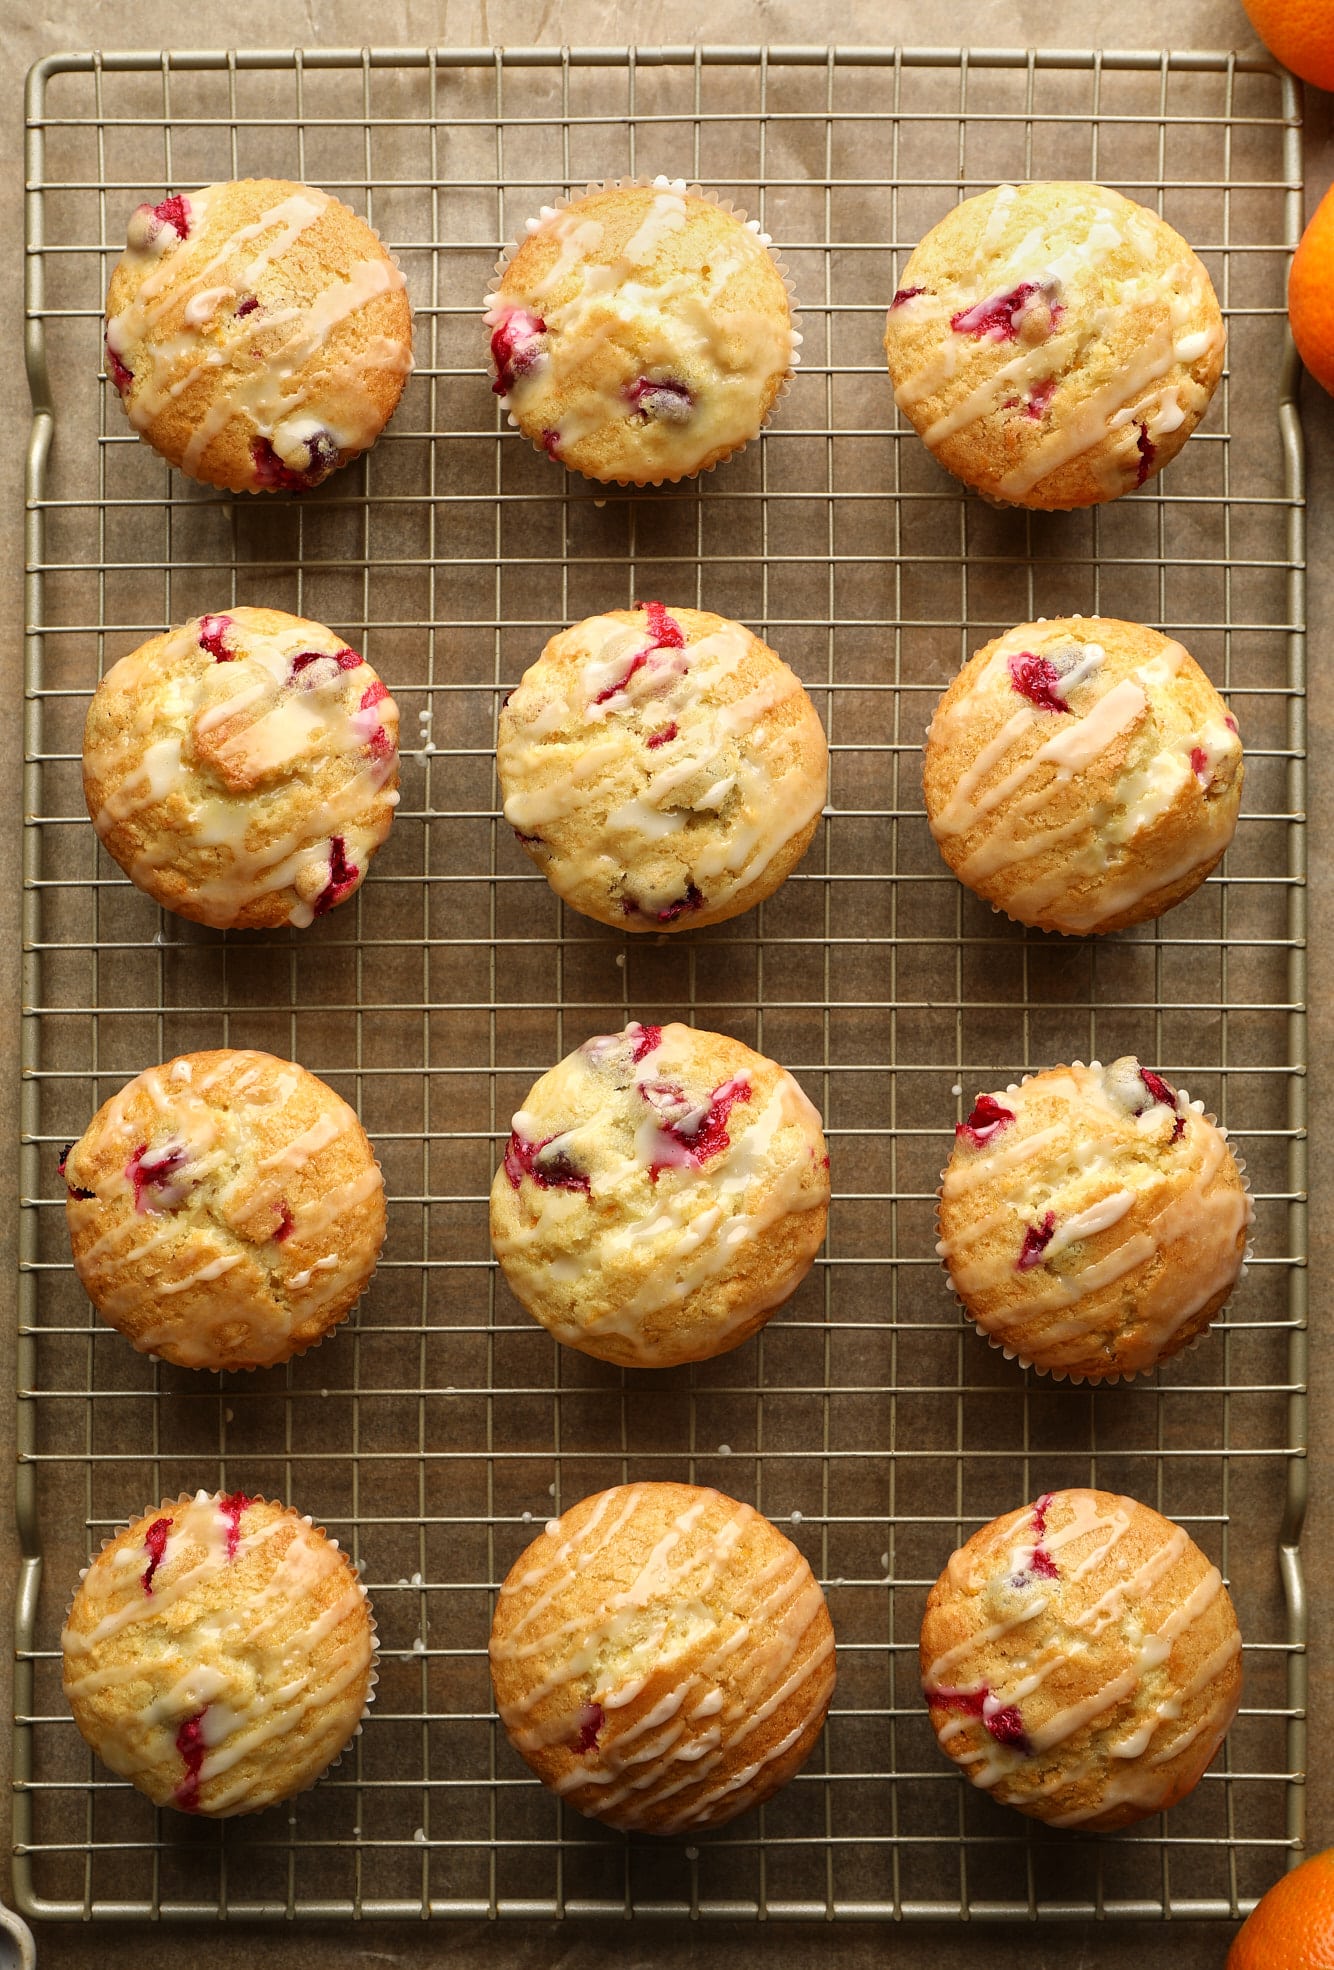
{"x": 435, "y": 1430}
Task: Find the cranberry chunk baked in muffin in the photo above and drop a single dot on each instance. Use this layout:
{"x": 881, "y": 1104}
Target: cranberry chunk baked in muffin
{"x": 1081, "y": 1660}
{"x": 1082, "y": 774}
{"x": 663, "y": 768}
{"x": 641, "y": 333}
{"x": 243, "y": 768}
{"x": 662, "y": 1657}
{"x": 225, "y": 1209}
{"x": 258, "y": 333}
{"x": 663, "y": 1191}
{"x": 219, "y": 1653}
{"x": 1054, "y": 344}
{"x": 1093, "y": 1220}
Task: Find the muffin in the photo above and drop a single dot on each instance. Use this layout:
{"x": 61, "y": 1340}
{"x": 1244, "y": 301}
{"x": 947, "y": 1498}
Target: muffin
{"x": 258, "y": 333}
{"x": 664, "y": 770}
{"x": 1081, "y": 1660}
{"x": 243, "y": 768}
{"x": 225, "y": 1210}
{"x": 640, "y": 333}
{"x": 662, "y": 1657}
{"x": 1082, "y": 774}
{"x": 1093, "y": 1220}
{"x": 219, "y": 1653}
{"x": 1054, "y": 344}
{"x": 663, "y": 1191}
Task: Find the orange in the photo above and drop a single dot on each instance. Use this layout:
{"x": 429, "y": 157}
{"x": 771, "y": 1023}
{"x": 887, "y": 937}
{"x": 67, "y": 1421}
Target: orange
{"x": 1300, "y": 33}
{"x": 1293, "y": 1926}
{"x": 1311, "y": 294}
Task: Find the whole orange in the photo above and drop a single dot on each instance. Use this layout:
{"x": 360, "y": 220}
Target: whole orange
{"x": 1293, "y": 1926}
{"x": 1311, "y": 294}
{"x": 1300, "y": 33}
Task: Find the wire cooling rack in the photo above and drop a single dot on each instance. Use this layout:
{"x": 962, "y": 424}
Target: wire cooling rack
{"x": 436, "y": 1430}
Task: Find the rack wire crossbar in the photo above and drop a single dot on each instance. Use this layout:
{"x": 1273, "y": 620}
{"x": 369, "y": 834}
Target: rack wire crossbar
{"x": 440, "y": 1426}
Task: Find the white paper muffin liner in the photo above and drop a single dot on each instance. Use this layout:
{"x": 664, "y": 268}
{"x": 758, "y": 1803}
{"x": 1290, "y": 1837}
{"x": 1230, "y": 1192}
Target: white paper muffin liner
{"x": 1074, "y": 1377}
{"x": 689, "y": 189}
{"x": 253, "y": 1498}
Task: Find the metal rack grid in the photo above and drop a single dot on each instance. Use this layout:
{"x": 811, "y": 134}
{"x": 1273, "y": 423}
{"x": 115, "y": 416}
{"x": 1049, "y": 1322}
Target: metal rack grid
{"x": 434, "y": 1430}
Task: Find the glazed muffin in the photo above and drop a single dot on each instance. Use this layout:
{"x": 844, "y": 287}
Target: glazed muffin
{"x": 225, "y": 1210}
{"x": 1093, "y": 1220}
{"x": 1082, "y": 774}
{"x": 641, "y": 333}
{"x": 665, "y": 770}
{"x": 662, "y": 1657}
{"x": 1081, "y": 1660}
{"x": 663, "y": 1191}
{"x": 219, "y": 1653}
{"x": 243, "y": 768}
{"x": 258, "y": 333}
{"x": 1054, "y": 344}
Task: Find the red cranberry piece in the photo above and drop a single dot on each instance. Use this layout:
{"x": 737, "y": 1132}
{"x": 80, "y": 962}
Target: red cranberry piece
{"x": 552, "y": 1170}
{"x": 670, "y": 403}
{"x": 528, "y": 840}
{"x": 1005, "y": 1725}
{"x": 246, "y": 307}
{"x": 987, "y": 1120}
{"x": 1042, "y": 1562}
{"x": 155, "y": 1545}
{"x": 614, "y": 690}
{"x": 121, "y": 374}
{"x": 1199, "y": 765}
{"x": 174, "y": 212}
{"x": 342, "y": 878}
{"x": 231, "y": 1508}
{"x": 190, "y": 1744}
{"x": 645, "y": 1040}
{"x": 590, "y": 1721}
{"x": 660, "y": 738}
{"x": 1039, "y": 397}
{"x": 153, "y": 1173}
{"x": 551, "y": 445}
{"x": 906, "y": 294}
{"x": 212, "y": 634}
{"x": 1230, "y": 722}
{"x": 345, "y": 659}
{"x": 274, "y": 473}
{"x": 997, "y": 317}
{"x": 516, "y": 348}
{"x": 73, "y": 1188}
{"x": 1038, "y": 680}
{"x": 706, "y": 1135}
{"x": 1036, "y": 1240}
{"x": 665, "y": 630}
{"x": 286, "y": 1223}
{"x": 692, "y": 900}
{"x": 1164, "y": 1092}
{"x": 1148, "y": 451}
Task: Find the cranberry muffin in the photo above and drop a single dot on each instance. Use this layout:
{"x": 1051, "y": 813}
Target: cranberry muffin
{"x": 663, "y": 1191}
{"x": 663, "y": 768}
{"x": 219, "y": 1653}
{"x": 258, "y": 333}
{"x": 1055, "y": 344}
{"x": 1093, "y": 1220}
{"x": 225, "y": 1209}
{"x": 243, "y": 768}
{"x": 662, "y": 1657}
{"x": 1082, "y": 774}
{"x": 1081, "y": 1660}
{"x": 641, "y": 333}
